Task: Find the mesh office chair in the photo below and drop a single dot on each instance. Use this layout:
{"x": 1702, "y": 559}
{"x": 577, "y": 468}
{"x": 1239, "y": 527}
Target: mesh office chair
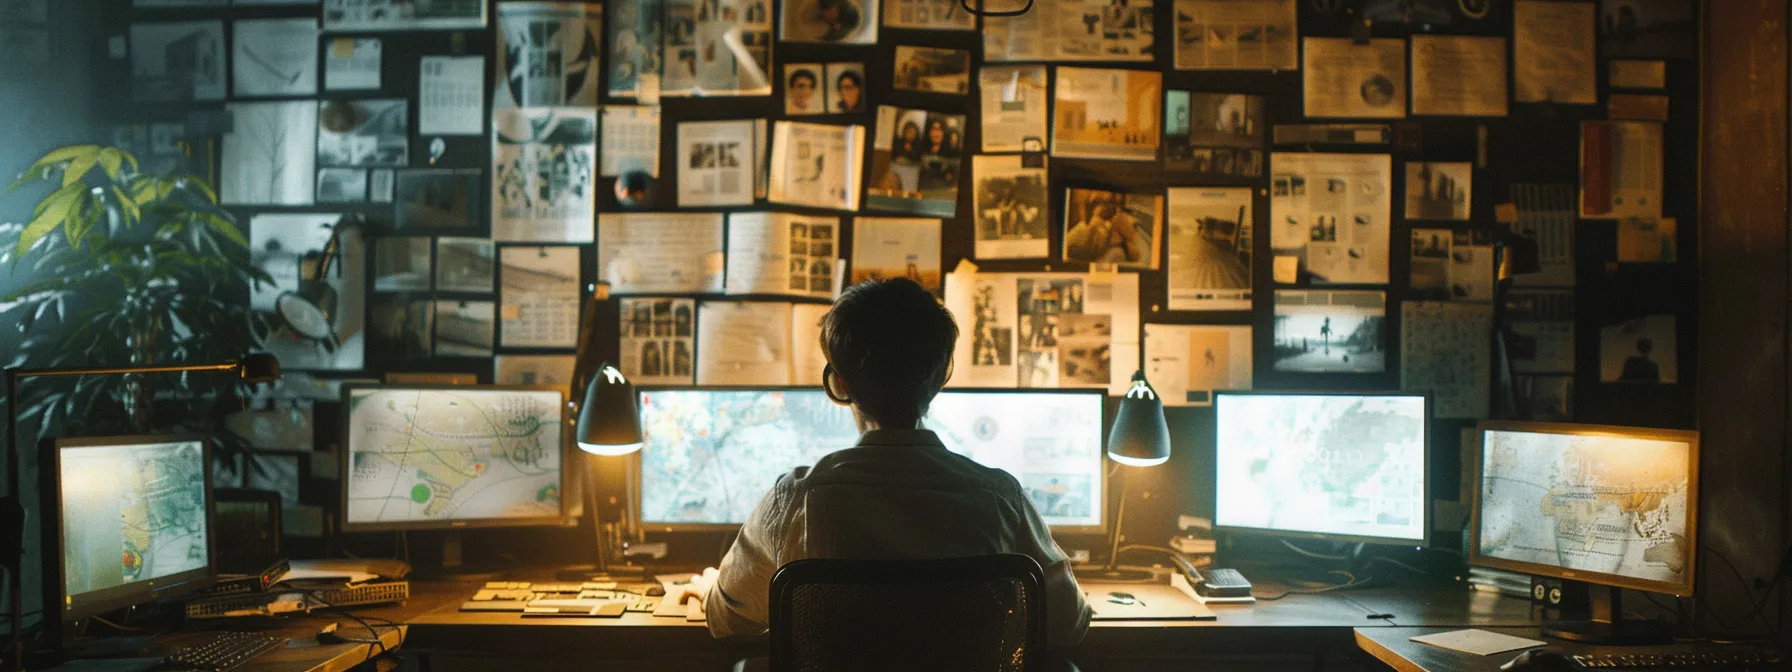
{"x": 982, "y": 613}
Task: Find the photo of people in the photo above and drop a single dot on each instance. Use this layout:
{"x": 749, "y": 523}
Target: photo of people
{"x": 1642, "y": 350}
{"x": 803, "y": 89}
{"x": 932, "y": 70}
{"x": 916, "y": 169}
{"x": 832, "y": 21}
{"x": 1108, "y": 227}
{"x": 1330, "y": 332}
{"x": 1010, "y": 206}
{"x": 845, "y": 88}
{"x": 656, "y": 338}
{"x": 992, "y": 342}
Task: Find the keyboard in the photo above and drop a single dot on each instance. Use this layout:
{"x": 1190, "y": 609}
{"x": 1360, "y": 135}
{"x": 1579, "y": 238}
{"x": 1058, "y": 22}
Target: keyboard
{"x": 224, "y": 651}
{"x": 600, "y": 599}
{"x": 1717, "y": 658}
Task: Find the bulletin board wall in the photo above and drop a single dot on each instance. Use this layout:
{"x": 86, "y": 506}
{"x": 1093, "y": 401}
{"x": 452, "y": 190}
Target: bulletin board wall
{"x": 1536, "y": 143}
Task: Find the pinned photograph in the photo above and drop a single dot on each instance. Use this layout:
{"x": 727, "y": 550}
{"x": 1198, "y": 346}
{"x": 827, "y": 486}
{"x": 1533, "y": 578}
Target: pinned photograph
{"x": 464, "y": 265}
{"x": 1214, "y": 133}
{"x": 341, "y": 185}
{"x": 1014, "y": 106}
{"x": 1211, "y": 239}
{"x": 1431, "y": 264}
{"x": 548, "y": 53}
{"x": 803, "y": 92}
{"x": 656, "y": 341}
{"x": 1330, "y": 332}
{"x": 177, "y": 61}
{"x": 634, "y": 29}
{"x": 317, "y": 303}
{"x": 1011, "y": 206}
{"x": 544, "y": 161}
{"x": 363, "y": 133}
{"x": 1642, "y": 350}
{"x": 1084, "y": 349}
{"x": 932, "y": 70}
{"x": 275, "y": 57}
{"x": 1438, "y": 190}
{"x": 401, "y": 326}
{"x": 269, "y": 155}
{"x": 465, "y": 328}
{"x": 845, "y": 88}
{"x": 915, "y": 169}
{"x": 830, "y": 21}
{"x": 1110, "y": 227}
{"x": 438, "y": 201}
{"x": 401, "y": 264}
{"x": 1107, "y": 114}
{"x": 1648, "y": 28}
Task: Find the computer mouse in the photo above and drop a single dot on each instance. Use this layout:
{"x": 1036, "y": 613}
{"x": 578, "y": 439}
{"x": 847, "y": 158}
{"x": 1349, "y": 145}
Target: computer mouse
{"x": 656, "y": 590}
{"x": 1539, "y": 660}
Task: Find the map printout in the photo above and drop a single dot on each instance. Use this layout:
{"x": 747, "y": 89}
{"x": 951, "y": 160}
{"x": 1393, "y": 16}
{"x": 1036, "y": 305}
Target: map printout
{"x": 1607, "y": 504}
{"x": 445, "y": 455}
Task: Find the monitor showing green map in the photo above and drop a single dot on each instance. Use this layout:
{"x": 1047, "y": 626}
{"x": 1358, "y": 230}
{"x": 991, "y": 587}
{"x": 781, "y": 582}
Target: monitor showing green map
{"x": 134, "y": 519}
{"x": 1348, "y": 466}
{"x": 452, "y": 456}
{"x": 711, "y": 455}
{"x": 1608, "y": 505}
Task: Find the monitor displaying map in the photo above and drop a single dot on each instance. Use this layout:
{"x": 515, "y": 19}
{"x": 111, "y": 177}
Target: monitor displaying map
{"x": 1568, "y": 501}
{"x": 1345, "y": 466}
{"x": 711, "y": 455}
{"x": 133, "y": 518}
{"x": 420, "y": 457}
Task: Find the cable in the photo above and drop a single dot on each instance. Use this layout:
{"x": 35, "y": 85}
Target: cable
{"x": 1149, "y": 547}
{"x": 1313, "y": 555}
{"x": 1351, "y": 582}
{"x": 1758, "y": 602}
{"x": 115, "y": 626}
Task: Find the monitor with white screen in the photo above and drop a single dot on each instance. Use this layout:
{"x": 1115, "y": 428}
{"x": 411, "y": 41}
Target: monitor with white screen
{"x": 421, "y": 457}
{"x": 134, "y": 520}
{"x": 1347, "y": 466}
{"x": 1614, "y": 506}
{"x": 710, "y": 455}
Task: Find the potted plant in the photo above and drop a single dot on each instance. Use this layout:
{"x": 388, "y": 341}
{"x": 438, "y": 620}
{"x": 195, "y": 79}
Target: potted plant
{"x": 119, "y": 267}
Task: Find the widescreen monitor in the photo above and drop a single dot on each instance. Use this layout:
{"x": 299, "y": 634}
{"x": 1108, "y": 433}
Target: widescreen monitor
{"x": 710, "y": 455}
{"x": 1346, "y": 466}
{"x": 133, "y": 521}
{"x": 1615, "y": 506}
{"x": 431, "y": 456}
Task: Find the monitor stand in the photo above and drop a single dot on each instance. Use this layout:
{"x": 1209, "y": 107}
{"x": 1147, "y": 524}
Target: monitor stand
{"x": 453, "y": 566}
{"x": 1601, "y": 621}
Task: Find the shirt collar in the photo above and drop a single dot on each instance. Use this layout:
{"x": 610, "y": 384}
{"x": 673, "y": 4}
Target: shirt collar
{"x": 900, "y": 437}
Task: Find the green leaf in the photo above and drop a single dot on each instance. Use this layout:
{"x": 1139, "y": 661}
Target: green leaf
{"x": 111, "y": 159}
{"x": 226, "y": 228}
{"x": 132, "y": 213}
{"x": 51, "y": 213}
{"x": 192, "y": 182}
{"x": 78, "y": 168}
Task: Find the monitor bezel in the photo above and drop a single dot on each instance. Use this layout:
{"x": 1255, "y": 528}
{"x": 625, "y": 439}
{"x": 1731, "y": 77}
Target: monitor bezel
{"x": 1425, "y": 508}
{"x": 568, "y": 464}
{"x": 136, "y": 592}
{"x": 635, "y": 508}
{"x": 1687, "y": 436}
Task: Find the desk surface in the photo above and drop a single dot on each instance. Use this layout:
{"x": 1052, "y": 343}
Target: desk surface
{"x": 1394, "y": 646}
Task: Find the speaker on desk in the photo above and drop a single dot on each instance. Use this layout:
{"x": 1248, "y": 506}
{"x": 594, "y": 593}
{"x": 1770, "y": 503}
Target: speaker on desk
{"x": 1556, "y": 594}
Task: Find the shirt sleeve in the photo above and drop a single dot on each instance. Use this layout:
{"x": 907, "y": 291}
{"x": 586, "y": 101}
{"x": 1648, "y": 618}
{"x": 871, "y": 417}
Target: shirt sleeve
{"x": 738, "y": 602}
{"x": 1068, "y": 612}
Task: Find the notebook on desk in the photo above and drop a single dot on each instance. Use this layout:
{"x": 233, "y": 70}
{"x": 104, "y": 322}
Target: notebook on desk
{"x": 1142, "y": 602}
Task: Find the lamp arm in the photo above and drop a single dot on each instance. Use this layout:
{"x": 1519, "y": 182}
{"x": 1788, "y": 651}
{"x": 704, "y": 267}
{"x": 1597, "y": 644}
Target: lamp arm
{"x": 1119, "y": 522}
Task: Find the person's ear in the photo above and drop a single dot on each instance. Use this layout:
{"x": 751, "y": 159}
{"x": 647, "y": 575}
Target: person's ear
{"x": 834, "y": 386}
{"x": 951, "y": 365}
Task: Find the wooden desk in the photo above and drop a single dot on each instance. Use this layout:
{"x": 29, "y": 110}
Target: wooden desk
{"x": 1395, "y": 648}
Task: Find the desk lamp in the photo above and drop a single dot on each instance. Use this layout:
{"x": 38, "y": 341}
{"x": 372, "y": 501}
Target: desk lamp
{"x": 1139, "y": 438}
{"x": 255, "y": 368}
{"x": 609, "y": 425}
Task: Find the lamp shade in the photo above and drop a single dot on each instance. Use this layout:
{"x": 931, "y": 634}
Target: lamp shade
{"x": 610, "y": 418}
{"x": 1140, "y": 437}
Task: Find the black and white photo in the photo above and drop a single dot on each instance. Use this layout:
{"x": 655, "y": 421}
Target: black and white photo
{"x": 274, "y": 57}
{"x": 464, "y": 265}
{"x": 830, "y": 21}
{"x": 1011, "y": 207}
{"x": 1438, "y": 191}
{"x": 1330, "y": 331}
{"x": 341, "y": 185}
{"x": 401, "y": 264}
{"x": 465, "y": 328}
{"x": 438, "y": 201}
{"x": 177, "y": 61}
{"x": 353, "y": 133}
{"x": 270, "y": 155}
{"x": 1210, "y": 242}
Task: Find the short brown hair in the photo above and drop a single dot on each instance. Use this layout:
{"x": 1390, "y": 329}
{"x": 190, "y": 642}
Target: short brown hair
{"x": 891, "y": 342}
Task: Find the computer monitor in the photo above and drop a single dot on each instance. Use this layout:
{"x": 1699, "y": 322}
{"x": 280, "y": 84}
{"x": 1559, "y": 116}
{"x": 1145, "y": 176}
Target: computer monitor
{"x": 132, "y": 519}
{"x": 710, "y": 455}
{"x": 443, "y": 456}
{"x": 1615, "y": 506}
{"x": 1346, "y": 466}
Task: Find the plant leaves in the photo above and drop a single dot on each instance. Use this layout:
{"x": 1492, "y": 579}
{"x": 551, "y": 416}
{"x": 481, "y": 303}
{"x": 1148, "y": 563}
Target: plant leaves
{"x": 227, "y": 229}
{"x": 78, "y": 168}
{"x": 50, "y": 214}
{"x": 111, "y": 159}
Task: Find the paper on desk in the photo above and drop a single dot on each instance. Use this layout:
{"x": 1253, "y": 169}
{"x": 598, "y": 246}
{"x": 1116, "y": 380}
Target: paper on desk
{"x": 1478, "y": 642}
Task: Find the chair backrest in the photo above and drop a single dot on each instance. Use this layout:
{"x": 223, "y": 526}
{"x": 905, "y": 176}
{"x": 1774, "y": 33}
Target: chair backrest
{"x": 978, "y": 613}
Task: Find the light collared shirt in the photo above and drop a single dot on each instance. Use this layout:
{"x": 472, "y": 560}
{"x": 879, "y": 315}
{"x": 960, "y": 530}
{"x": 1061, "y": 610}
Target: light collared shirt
{"x": 898, "y": 495}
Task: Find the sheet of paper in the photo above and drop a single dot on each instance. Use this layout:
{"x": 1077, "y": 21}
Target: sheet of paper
{"x": 269, "y": 156}
{"x": 1342, "y": 79}
{"x": 1211, "y": 242}
{"x": 542, "y": 166}
{"x": 1458, "y": 75}
{"x": 274, "y": 57}
{"x": 1477, "y": 642}
{"x": 631, "y": 140}
{"x": 1552, "y": 52}
{"x": 1331, "y": 212}
{"x": 555, "y": 370}
{"x": 1444, "y": 351}
{"x": 1010, "y": 205}
{"x": 450, "y": 98}
{"x": 660, "y": 253}
{"x": 1540, "y": 336}
{"x": 916, "y": 158}
{"x": 1045, "y": 329}
{"x": 1330, "y": 331}
{"x": 743, "y": 343}
{"x": 807, "y": 361}
{"x": 1107, "y": 114}
{"x": 538, "y": 296}
{"x": 896, "y": 247}
{"x": 928, "y": 15}
{"x": 1218, "y": 134}
{"x": 548, "y": 54}
{"x": 816, "y": 165}
{"x": 1072, "y": 30}
{"x": 388, "y": 15}
{"x": 1187, "y": 363}
{"x": 657, "y": 341}
{"x": 1014, "y": 107}
{"x": 716, "y": 48}
{"x": 352, "y": 64}
{"x": 715, "y": 163}
{"x": 1621, "y": 165}
{"x": 1546, "y": 215}
{"x": 779, "y": 253}
{"x": 1236, "y": 35}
